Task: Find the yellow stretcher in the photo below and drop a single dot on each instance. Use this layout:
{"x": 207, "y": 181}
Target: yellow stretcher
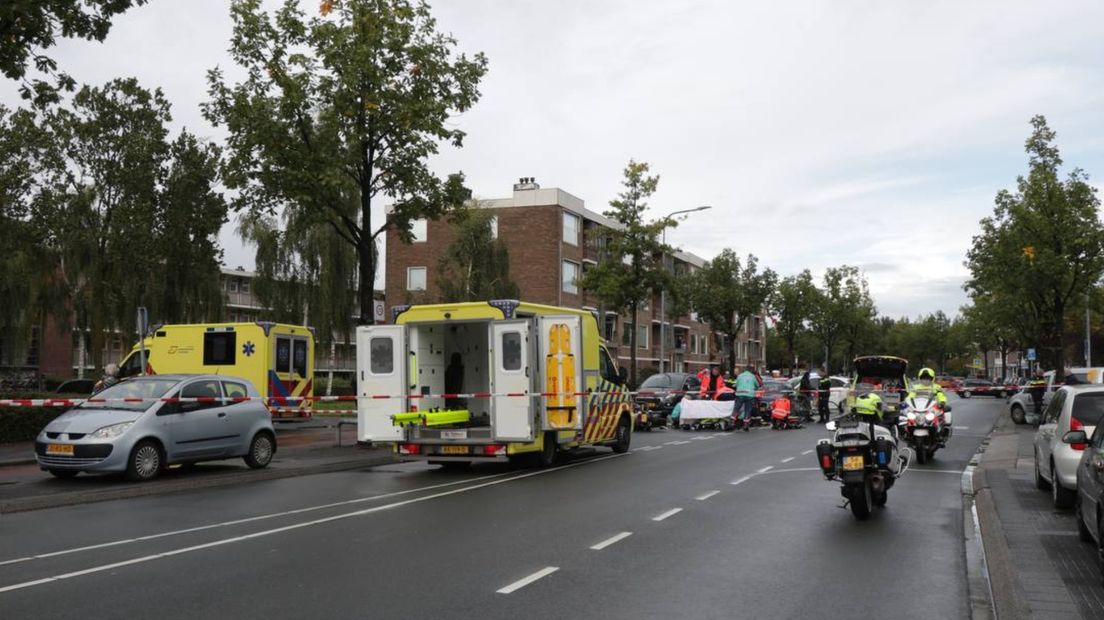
{"x": 431, "y": 418}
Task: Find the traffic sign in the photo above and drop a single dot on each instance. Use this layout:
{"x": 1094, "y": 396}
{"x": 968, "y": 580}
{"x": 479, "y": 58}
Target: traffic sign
{"x": 1031, "y": 355}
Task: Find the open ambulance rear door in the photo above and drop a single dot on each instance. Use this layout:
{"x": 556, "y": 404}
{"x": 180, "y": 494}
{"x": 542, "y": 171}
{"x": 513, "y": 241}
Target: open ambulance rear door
{"x": 512, "y": 405}
{"x": 381, "y": 371}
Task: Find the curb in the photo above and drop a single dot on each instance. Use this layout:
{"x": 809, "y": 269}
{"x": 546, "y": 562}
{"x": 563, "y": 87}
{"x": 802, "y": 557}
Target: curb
{"x": 978, "y": 583}
{"x": 177, "y": 486}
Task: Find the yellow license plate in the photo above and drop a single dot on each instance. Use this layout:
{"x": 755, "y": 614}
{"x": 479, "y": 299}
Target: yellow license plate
{"x": 59, "y": 448}
{"x": 852, "y": 462}
{"x": 454, "y": 449}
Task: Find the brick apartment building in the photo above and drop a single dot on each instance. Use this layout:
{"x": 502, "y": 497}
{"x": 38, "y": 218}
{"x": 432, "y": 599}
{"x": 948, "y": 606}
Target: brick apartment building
{"x": 547, "y": 232}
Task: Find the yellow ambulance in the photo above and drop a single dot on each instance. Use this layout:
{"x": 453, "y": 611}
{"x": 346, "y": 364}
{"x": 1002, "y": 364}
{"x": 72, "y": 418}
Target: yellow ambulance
{"x": 277, "y": 358}
{"x": 495, "y": 380}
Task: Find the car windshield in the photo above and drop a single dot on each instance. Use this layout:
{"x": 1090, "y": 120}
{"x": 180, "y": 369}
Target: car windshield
{"x": 656, "y": 381}
{"x": 145, "y": 388}
{"x": 1088, "y": 408}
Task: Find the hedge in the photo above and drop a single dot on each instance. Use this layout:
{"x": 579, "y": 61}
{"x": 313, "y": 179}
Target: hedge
{"x": 24, "y": 423}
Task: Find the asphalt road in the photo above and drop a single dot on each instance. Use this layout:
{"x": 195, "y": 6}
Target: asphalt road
{"x": 689, "y": 524}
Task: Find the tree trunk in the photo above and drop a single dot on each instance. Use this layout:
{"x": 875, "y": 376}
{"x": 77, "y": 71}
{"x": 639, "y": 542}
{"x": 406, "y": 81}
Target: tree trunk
{"x": 731, "y": 337}
{"x": 632, "y": 348}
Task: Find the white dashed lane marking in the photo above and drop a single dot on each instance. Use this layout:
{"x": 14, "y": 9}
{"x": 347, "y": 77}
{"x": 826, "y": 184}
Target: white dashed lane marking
{"x": 702, "y": 498}
{"x": 789, "y": 459}
{"x": 807, "y": 452}
{"x": 521, "y": 583}
{"x": 670, "y": 513}
{"x": 612, "y": 539}
{"x": 764, "y": 469}
{"x": 740, "y": 481}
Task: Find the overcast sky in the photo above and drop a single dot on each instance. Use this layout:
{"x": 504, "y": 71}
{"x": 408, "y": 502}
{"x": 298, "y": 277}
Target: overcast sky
{"x": 869, "y": 133}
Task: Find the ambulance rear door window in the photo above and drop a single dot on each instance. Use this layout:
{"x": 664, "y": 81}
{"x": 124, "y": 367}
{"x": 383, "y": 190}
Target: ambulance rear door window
{"x": 283, "y": 355}
{"x": 220, "y": 348}
{"x": 299, "y": 357}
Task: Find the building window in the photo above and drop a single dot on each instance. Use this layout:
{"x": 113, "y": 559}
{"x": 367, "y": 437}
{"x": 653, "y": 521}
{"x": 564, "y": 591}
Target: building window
{"x": 244, "y": 285}
{"x": 494, "y": 227}
{"x": 420, "y": 229}
{"x": 570, "y": 228}
{"x": 570, "y": 275}
{"x": 642, "y": 337}
{"x": 611, "y": 327}
{"x": 626, "y": 333}
{"x": 415, "y": 278}
{"x": 233, "y": 283}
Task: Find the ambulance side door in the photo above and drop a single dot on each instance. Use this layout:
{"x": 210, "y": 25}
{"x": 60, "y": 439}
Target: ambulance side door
{"x": 512, "y": 407}
{"x": 382, "y": 353}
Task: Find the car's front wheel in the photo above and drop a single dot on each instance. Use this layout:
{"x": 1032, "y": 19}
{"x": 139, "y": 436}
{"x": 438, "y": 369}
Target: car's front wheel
{"x": 146, "y": 461}
{"x": 964, "y": 393}
{"x": 261, "y": 450}
{"x": 1018, "y": 415}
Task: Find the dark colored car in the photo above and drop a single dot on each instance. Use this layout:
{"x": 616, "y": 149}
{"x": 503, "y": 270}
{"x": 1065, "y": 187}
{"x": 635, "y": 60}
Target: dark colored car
{"x": 659, "y": 395}
{"x": 771, "y": 390}
{"x": 1089, "y": 499}
{"x": 981, "y": 387}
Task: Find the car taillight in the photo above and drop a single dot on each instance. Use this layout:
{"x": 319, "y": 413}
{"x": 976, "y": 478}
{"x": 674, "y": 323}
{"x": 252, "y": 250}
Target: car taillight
{"x": 1077, "y": 425}
{"x": 409, "y": 448}
{"x": 494, "y": 450}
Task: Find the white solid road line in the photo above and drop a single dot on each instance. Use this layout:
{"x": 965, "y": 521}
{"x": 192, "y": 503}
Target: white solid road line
{"x": 670, "y": 443}
{"x": 679, "y": 443}
{"x": 296, "y": 526}
{"x": 702, "y": 498}
{"x": 938, "y": 471}
{"x": 273, "y": 515}
{"x": 764, "y": 469}
{"x": 740, "y": 481}
{"x": 612, "y": 539}
{"x": 670, "y": 513}
{"x": 789, "y": 459}
{"x": 521, "y": 583}
{"x": 807, "y": 452}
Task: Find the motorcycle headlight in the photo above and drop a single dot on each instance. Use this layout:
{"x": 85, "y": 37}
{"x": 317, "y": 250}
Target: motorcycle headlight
{"x": 929, "y": 416}
{"x": 911, "y": 416}
{"x": 111, "y": 432}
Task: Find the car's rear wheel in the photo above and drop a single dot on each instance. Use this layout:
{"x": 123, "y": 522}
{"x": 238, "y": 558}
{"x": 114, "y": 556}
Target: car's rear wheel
{"x": 1063, "y": 497}
{"x": 64, "y": 474}
{"x": 964, "y": 394}
{"x": 1018, "y": 415}
{"x": 261, "y": 450}
{"x": 146, "y": 461}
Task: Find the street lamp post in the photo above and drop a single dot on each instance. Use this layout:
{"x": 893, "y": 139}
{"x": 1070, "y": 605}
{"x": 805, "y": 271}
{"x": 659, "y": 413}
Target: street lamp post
{"x": 663, "y": 292}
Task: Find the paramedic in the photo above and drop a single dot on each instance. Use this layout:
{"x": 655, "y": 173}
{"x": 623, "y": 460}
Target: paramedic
{"x": 712, "y": 385}
{"x": 746, "y": 386}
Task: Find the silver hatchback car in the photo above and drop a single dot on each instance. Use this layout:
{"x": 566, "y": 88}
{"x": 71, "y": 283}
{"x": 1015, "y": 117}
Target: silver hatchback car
{"x": 138, "y": 433}
{"x": 1072, "y": 408}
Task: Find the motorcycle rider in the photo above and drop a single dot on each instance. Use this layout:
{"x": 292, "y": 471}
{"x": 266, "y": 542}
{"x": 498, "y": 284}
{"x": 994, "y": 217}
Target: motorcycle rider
{"x": 926, "y": 386}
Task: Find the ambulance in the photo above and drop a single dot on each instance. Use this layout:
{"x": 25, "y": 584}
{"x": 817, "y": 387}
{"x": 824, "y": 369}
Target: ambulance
{"x": 498, "y": 380}
{"x": 277, "y": 358}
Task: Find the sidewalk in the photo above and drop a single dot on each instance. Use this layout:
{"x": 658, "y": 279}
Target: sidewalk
{"x": 1037, "y": 565}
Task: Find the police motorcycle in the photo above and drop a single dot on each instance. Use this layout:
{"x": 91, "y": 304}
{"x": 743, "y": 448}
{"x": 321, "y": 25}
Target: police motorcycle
{"x": 863, "y": 456}
{"x": 925, "y": 425}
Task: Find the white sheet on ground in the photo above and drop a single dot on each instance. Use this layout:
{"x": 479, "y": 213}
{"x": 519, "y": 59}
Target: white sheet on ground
{"x": 701, "y": 409}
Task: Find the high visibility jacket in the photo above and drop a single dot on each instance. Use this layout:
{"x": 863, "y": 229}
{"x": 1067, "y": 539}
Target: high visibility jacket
{"x": 869, "y": 404}
{"x": 780, "y": 408}
{"x": 712, "y": 385}
{"x": 933, "y": 389}
{"x": 746, "y": 384}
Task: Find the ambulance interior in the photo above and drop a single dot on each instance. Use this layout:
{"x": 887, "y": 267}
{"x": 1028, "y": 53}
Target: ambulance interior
{"x": 452, "y": 358}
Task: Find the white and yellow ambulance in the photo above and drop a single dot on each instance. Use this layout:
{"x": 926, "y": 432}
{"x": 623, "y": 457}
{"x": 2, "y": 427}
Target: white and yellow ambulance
{"x": 496, "y": 380}
{"x": 277, "y": 358}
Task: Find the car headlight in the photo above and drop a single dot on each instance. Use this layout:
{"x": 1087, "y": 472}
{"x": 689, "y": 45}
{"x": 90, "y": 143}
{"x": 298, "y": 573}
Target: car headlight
{"x": 111, "y": 432}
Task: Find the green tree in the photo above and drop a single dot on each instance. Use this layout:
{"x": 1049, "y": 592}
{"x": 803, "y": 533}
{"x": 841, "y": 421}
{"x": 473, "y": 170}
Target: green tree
{"x": 841, "y": 304}
{"x": 352, "y": 102}
{"x": 29, "y": 27}
{"x": 792, "y": 305}
{"x": 727, "y": 292}
{"x": 1043, "y": 247}
{"x": 632, "y": 268}
{"x": 476, "y": 265}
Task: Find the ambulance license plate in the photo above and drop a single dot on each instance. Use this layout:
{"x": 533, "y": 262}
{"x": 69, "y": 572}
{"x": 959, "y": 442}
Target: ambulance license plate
{"x": 454, "y": 449}
{"x": 59, "y": 448}
{"x": 454, "y": 434}
{"x": 851, "y": 463}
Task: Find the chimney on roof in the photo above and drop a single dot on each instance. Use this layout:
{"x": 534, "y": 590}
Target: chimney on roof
{"x": 526, "y": 183}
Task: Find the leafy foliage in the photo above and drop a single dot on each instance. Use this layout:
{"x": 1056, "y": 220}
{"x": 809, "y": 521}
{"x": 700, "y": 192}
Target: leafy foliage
{"x": 725, "y": 292}
{"x": 843, "y": 308}
{"x": 793, "y": 304}
{"x": 28, "y": 27}
{"x": 1042, "y": 248}
{"x": 345, "y": 106}
{"x": 632, "y": 266}
{"x": 476, "y": 265}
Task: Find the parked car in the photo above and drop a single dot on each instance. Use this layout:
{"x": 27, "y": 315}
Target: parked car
{"x": 1090, "y": 488}
{"x": 1021, "y": 407}
{"x": 980, "y": 387}
{"x": 838, "y": 392}
{"x": 141, "y": 438}
{"x": 1072, "y": 408}
{"x": 662, "y": 392}
{"x": 771, "y": 390}
{"x": 948, "y": 383}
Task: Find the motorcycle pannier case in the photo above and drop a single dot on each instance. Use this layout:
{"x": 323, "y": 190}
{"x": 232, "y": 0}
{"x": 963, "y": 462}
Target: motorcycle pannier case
{"x": 826, "y": 457}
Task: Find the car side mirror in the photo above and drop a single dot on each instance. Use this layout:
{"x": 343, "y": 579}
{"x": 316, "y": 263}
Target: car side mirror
{"x": 1075, "y": 437}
